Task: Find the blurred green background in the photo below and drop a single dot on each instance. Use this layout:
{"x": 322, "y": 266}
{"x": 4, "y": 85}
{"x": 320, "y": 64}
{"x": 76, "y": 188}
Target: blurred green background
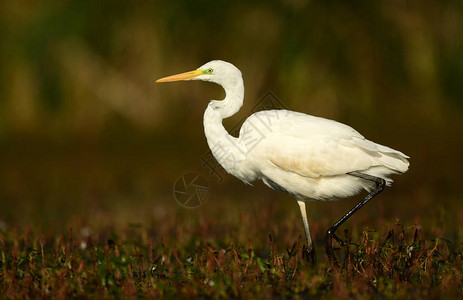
{"x": 86, "y": 138}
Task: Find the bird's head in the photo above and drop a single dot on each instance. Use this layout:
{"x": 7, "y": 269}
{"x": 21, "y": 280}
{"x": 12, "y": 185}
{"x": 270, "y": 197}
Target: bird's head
{"x": 217, "y": 71}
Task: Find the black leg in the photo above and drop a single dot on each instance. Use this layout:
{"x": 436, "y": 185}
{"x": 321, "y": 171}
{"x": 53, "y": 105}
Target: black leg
{"x": 330, "y": 234}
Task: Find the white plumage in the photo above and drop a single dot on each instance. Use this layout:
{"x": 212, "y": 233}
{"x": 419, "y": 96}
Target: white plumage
{"x": 308, "y": 157}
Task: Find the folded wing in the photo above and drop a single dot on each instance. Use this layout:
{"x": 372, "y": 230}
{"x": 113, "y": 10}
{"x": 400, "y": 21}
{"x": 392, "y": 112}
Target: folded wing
{"x": 314, "y": 147}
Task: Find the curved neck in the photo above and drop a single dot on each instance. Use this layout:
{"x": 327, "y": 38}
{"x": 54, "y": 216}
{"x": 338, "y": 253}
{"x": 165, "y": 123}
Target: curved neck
{"x": 224, "y": 147}
{"x": 234, "y": 95}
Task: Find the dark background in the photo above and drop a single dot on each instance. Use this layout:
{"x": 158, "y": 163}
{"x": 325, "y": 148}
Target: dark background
{"x": 87, "y": 140}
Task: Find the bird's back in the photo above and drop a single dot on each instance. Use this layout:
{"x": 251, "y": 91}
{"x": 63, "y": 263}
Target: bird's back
{"x": 309, "y": 156}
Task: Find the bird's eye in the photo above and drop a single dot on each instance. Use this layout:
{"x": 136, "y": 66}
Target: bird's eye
{"x": 210, "y": 71}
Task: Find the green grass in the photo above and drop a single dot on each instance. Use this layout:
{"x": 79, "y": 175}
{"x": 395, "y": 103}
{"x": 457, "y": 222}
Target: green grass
{"x": 401, "y": 262}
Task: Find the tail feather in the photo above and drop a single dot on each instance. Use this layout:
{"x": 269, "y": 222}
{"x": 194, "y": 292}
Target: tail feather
{"x": 392, "y": 159}
{"x": 396, "y": 162}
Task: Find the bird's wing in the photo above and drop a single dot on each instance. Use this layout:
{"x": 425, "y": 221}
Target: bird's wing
{"x": 312, "y": 146}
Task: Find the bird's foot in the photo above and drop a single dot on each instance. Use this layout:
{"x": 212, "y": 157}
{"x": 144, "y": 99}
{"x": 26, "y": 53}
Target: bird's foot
{"x": 329, "y": 236}
{"x": 309, "y": 255}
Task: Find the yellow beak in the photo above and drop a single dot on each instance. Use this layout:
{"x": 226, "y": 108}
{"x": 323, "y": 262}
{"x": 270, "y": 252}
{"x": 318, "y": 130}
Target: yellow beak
{"x": 182, "y": 76}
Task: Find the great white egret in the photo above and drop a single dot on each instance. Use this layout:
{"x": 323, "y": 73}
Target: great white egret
{"x": 310, "y": 158}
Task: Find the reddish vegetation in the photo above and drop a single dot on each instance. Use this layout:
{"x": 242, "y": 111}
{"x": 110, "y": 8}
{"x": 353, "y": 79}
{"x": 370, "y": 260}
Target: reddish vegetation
{"x": 401, "y": 263}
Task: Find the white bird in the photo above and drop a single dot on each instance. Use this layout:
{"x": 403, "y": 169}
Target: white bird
{"x": 310, "y": 158}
